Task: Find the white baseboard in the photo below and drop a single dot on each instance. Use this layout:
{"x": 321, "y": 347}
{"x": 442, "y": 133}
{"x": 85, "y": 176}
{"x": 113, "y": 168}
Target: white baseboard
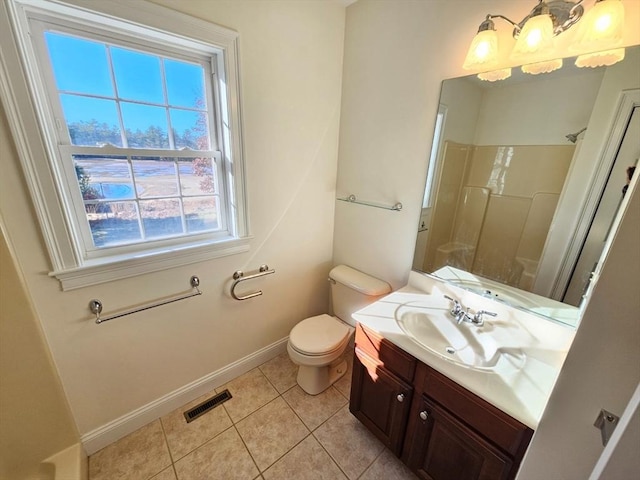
{"x": 120, "y": 427}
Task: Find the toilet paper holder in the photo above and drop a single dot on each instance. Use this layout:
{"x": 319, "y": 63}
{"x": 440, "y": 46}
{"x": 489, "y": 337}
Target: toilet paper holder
{"x": 239, "y": 276}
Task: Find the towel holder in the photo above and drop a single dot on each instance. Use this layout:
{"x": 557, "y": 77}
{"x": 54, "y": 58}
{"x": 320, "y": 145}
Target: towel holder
{"x": 238, "y": 277}
{"x": 352, "y": 199}
{"x": 96, "y": 305}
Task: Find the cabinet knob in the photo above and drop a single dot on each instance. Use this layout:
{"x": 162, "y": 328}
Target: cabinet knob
{"x": 424, "y": 415}
{"x": 400, "y": 397}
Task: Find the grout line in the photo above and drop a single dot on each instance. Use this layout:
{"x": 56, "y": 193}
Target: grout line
{"x": 337, "y": 464}
{"x": 295, "y": 445}
{"x": 270, "y": 382}
{"x": 182, "y": 409}
{"x": 286, "y": 453}
{"x": 166, "y": 440}
{"x": 334, "y": 460}
{"x": 374, "y": 461}
{"x": 248, "y": 451}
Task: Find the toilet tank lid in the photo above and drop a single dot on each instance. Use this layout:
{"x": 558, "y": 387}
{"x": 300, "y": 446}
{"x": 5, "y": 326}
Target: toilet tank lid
{"x": 359, "y": 281}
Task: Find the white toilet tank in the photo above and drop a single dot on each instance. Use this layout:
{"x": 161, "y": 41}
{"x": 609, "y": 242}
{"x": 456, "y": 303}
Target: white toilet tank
{"x": 352, "y": 290}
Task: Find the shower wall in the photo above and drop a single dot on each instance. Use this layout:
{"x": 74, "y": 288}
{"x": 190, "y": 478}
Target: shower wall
{"x": 494, "y": 207}
{"x": 452, "y": 173}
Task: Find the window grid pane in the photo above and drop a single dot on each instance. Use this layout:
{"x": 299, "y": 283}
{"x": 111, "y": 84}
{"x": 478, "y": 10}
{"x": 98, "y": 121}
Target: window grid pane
{"x": 152, "y": 110}
{"x": 133, "y": 199}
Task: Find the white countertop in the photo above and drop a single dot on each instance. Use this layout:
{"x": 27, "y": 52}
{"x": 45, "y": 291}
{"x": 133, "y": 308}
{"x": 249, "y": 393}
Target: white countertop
{"x": 521, "y": 392}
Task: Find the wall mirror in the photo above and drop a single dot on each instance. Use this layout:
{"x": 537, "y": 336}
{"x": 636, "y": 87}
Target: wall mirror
{"x": 525, "y": 180}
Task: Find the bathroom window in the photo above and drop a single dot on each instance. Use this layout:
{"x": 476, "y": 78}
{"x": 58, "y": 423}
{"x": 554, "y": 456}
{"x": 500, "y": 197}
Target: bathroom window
{"x": 141, "y": 137}
{"x": 429, "y": 193}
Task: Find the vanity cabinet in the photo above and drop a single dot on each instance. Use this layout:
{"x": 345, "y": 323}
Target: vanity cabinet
{"x": 381, "y": 391}
{"x": 447, "y": 432}
{"x": 445, "y": 448}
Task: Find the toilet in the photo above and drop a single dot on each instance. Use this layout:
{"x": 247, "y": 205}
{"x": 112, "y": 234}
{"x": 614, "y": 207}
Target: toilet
{"x": 316, "y": 344}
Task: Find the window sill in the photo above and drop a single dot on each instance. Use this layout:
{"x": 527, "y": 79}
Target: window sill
{"x": 94, "y": 272}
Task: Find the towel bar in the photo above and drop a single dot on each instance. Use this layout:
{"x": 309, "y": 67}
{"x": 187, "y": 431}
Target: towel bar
{"x": 96, "y": 305}
{"x": 352, "y": 199}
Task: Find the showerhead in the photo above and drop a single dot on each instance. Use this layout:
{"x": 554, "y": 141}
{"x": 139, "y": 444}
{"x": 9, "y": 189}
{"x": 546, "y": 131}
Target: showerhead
{"x": 573, "y": 137}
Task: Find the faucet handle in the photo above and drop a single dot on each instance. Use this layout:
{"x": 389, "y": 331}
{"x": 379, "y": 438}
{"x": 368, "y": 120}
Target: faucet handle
{"x": 457, "y": 306}
{"x": 477, "y": 318}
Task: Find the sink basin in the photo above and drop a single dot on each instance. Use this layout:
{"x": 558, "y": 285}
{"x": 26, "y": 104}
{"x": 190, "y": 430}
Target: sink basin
{"x": 481, "y": 348}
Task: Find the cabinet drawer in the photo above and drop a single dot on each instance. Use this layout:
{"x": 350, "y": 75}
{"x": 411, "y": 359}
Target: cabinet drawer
{"x": 393, "y": 358}
{"x": 504, "y": 431}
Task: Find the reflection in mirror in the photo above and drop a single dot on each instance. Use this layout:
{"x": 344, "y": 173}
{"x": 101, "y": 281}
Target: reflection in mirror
{"x": 517, "y": 163}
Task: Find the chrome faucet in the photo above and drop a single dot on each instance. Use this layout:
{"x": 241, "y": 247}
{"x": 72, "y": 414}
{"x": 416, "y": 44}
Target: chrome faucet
{"x": 478, "y": 319}
{"x": 458, "y": 312}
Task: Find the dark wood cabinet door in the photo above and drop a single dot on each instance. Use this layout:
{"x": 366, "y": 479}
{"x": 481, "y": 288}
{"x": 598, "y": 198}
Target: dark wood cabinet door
{"x": 380, "y": 400}
{"x": 443, "y": 448}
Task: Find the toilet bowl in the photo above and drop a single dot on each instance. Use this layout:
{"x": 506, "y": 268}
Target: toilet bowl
{"x": 317, "y": 344}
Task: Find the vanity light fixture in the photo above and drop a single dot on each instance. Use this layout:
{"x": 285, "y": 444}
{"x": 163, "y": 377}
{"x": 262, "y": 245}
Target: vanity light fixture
{"x": 495, "y": 75}
{"x": 535, "y": 36}
{"x": 483, "y": 51}
{"x": 542, "y": 67}
{"x": 601, "y": 30}
{"x": 601, "y": 33}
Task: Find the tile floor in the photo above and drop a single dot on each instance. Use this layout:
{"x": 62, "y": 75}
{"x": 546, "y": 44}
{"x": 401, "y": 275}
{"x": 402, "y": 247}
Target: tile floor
{"x": 270, "y": 430}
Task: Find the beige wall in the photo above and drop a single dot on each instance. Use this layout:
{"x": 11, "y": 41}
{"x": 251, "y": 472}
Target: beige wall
{"x": 35, "y": 420}
{"x": 291, "y": 70}
{"x": 500, "y": 118}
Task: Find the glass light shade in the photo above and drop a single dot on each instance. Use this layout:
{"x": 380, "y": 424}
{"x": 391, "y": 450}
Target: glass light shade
{"x": 600, "y": 59}
{"x": 483, "y": 51}
{"x": 542, "y": 67}
{"x": 495, "y": 75}
{"x": 536, "y": 38}
{"x": 601, "y": 28}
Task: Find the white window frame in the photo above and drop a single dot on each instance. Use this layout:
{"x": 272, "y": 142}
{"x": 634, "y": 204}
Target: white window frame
{"x": 434, "y": 156}
{"x": 31, "y": 118}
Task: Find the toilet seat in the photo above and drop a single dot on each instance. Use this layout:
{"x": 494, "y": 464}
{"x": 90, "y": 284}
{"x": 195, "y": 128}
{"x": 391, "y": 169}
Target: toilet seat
{"x": 319, "y": 335}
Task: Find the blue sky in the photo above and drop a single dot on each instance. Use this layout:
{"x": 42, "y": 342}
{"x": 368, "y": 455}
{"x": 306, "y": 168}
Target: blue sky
{"x": 81, "y": 68}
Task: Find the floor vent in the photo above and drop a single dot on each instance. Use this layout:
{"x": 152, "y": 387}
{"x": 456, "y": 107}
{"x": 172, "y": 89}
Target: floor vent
{"x": 202, "y": 408}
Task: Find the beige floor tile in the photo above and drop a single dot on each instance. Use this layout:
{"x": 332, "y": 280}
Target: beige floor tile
{"x": 314, "y": 409}
{"x": 389, "y": 467}
{"x": 183, "y": 437}
{"x": 271, "y": 431}
{"x": 349, "y": 443}
{"x": 250, "y": 392}
{"x": 223, "y": 458}
{"x": 281, "y": 372}
{"x": 166, "y": 474}
{"x": 344, "y": 384}
{"x": 307, "y": 461}
{"x": 140, "y": 455}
